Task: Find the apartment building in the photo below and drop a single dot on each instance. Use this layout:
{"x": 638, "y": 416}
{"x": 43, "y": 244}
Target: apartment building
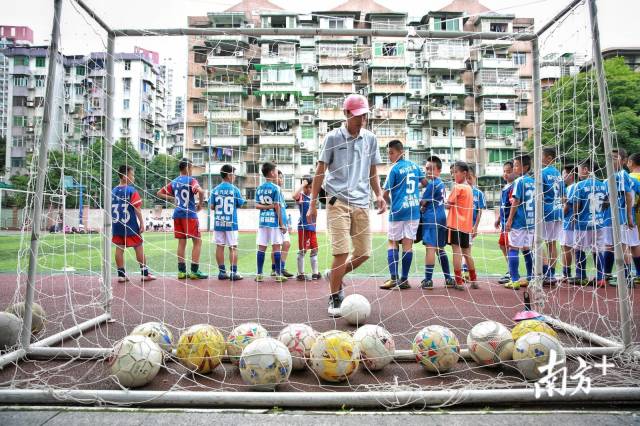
{"x": 455, "y": 98}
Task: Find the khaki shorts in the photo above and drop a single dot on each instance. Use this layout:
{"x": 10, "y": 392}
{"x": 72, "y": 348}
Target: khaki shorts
{"x": 348, "y": 225}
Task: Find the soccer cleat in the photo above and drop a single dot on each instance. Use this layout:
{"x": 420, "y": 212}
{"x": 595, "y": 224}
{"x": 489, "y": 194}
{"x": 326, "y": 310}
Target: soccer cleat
{"x": 601, "y": 283}
{"x": 302, "y": 277}
{"x": 286, "y": 273}
{"x": 465, "y": 276}
{"x": 389, "y": 284}
{"x": 182, "y": 275}
{"x": 404, "y": 284}
{"x": 523, "y": 282}
{"x": 123, "y": 279}
{"x": 223, "y": 276}
{"x": 198, "y": 275}
{"x": 273, "y": 273}
{"x": 259, "y": 278}
{"x": 513, "y": 285}
{"x": 148, "y": 277}
{"x": 280, "y": 278}
{"x": 451, "y": 283}
{"x": 636, "y": 280}
{"x": 235, "y": 277}
{"x": 549, "y": 281}
{"x": 504, "y": 279}
{"x": 426, "y": 284}
{"x": 316, "y": 277}
{"x": 474, "y": 285}
{"x": 335, "y": 301}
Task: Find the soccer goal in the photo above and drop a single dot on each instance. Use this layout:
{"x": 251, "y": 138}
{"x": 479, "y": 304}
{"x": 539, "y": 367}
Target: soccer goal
{"x": 268, "y": 86}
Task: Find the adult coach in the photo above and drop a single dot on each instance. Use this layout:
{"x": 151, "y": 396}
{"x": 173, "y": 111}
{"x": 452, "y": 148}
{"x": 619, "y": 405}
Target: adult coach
{"x": 347, "y": 167}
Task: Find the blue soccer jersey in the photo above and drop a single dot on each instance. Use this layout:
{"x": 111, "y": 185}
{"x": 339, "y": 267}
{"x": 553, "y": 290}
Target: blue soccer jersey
{"x": 567, "y": 218}
{"x": 124, "y": 201}
{"x": 184, "y": 189}
{"x": 225, "y": 200}
{"x": 479, "y": 202}
{"x": 523, "y": 191}
{"x": 403, "y": 185}
{"x": 624, "y": 184}
{"x": 303, "y": 206}
{"x": 552, "y": 188}
{"x": 505, "y": 203}
{"x": 434, "y": 197}
{"x": 283, "y": 210}
{"x": 268, "y": 193}
{"x": 588, "y": 199}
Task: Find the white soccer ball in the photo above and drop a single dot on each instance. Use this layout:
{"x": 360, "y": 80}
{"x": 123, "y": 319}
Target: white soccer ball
{"x": 10, "y": 326}
{"x": 335, "y": 356}
{"x": 241, "y": 336}
{"x": 355, "y": 309}
{"x": 265, "y": 363}
{"x": 436, "y": 348}
{"x": 298, "y": 338}
{"x": 376, "y": 346}
{"x": 157, "y": 332}
{"x": 490, "y": 343}
{"x": 37, "y": 318}
{"x": 135, "y": 361}
{"x": 532, "y": 351}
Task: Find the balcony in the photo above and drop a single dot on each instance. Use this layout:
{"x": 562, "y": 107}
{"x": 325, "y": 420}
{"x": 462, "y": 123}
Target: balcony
{"x": 502, "y": 63}
{"x": 497, "y": 43}
{"x": 272, "y": 59}
{"x": 445, "y": 114}
{"x": 213, "y": 168}
{"x": 229, "y": 114}
{"x": 508, "y": 115}
{"x": 227, "y": 61}
{"x": 388, "y": 114}
{"x": 491, "y": 89}
{"x": 385, "y": 86}
{"x": 146, "y": 134}
{"x": 445, "y": 64}
{"x": 492, "y": 141}
{"x": 279, "y": 115}
{"x": 145, "y": 115}
{"x": 226, "y": 40}
{"x": 335, "y": 87}
{"x": 330, "y": 114}
{"x": 388, "y": 61}
{"x": 341, "y": 61}
{"x": 444, "y": 142}
{"x": 223, "y": 141}
{"x": 446, "y": 88}
{"x": 278, "y": 139}
{"x": 21, "y": 70}
{"x": 98, "y": 72}
{"x": 224, "y": 88}
{"x": 493, "y": 170}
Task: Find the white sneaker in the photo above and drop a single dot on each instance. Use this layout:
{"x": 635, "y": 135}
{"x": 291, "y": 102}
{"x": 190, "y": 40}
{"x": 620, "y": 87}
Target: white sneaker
{"x": 334, "y": 306}
{"x": 123, "y": 279}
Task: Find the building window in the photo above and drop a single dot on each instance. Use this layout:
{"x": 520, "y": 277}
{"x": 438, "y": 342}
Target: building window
{"x": 199, "y": 107}
{"x": 499, "y": 156}
{"x": 225, "y": 128}
{"x": 126, "y": 84}
{"x": 199, "y": 132}
{"x": 41, "y": 62}
{"x": 79, "y": 70}
{"x": 336, "y": 23}
{"x": 278, "y": 75}
{"x": 415, "y": 135}
{"x": 444, "y": 24}
{"x": 306, "y": 159}
{"x": 19, "y": 101}
{"x": 251, "y": 193}
{"x": 415, "y": 82}
{"x": 277, "y": 155}
{"x": 498, "y": 27}
{"x": 197, "y": 158}
{"x": 520, "y": 58}
{"x": 388, "y": 75}
{"x": 17, "y": 162}
{"x": 336, "y": 75}
{"x": 521, "y": 108}
{"x": 498, "y": 130}
{"x": 388, "y": 49}
{"x": 199, "y": 81}
{"x": 21, "y": 60}
{"x": 253, "y": 167}
{"x": 20, "y": 80}
{"x": 253, "y": 140}
{"x": 524, "y": 84}
{"x": 127, "y": 65}
{"x": 125, "y": 104}
{"x": 19, "y": 120}
{"x": 418, "y": 157}
{"x": 78, "y": 90}
{"x": 522, "y": 135}
{"x": 18, "y": 142}
{"x": 308, "y": 132}
{"x": 40, "y": 80}
{"x": 390, "y": 101}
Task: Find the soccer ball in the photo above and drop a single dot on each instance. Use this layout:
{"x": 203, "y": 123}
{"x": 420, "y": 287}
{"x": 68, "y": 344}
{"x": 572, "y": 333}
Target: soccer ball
{"x": 527, "y": 326}
{"x": 241, "y": 336}
{"x": 376, "y": 346}
{"x": 490, "y": 343}
{"x": 201, "y": 348}
{"x": 37, "y": 317}
{"x": 10, "y": 327}
{"x": 157, "y": 332}
{"x": 335, "y": 356}
{"x": 135, "y": 361}
{"x": 532, "y": 351}
{"x": 298, "y": 338}
{"x": 265, "y": 363}
{"x": 436, "y": 348}
{"x": 355, "y": 309}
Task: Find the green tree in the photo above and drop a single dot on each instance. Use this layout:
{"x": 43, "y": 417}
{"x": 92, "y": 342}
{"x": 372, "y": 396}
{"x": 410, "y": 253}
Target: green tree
{"x": 161, "y": 169}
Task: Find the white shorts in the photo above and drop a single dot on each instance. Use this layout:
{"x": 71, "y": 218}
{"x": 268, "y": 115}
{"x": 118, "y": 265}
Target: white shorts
{"x": 403, "y": 229}
{"x": 520, "y": 238}
{"x": 225, "y": 238}
{"x": 551, "y": 230}
{"x": 286, "y": 237}
{"x": 629, "y": 236}
{"x": 605, "y": 236}
{"x": 268, "y": 236}
{"x": 591, "y": 240}
{"x": 567, "y": 237}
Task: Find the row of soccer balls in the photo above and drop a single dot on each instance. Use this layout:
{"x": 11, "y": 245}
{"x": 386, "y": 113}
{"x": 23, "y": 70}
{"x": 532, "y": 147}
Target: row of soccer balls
{"x": 265, "y": 362}
{"x": 11, "y": 323}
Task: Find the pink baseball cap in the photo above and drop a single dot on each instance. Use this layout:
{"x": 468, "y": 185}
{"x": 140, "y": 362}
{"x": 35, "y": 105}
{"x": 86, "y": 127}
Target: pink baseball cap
{"x": 356, "y": 104}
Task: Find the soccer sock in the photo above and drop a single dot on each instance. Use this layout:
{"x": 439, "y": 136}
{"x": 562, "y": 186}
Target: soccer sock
{"x": 234, "y": 269}
{"x": 182, "y": 267}
{"x": 273, "y": 267}
{"x": 143, "y": 270}
{"x": 609, "y": 260}
{"x": 597, "y": 261}
{"x": 514, "y": 264}
{"x": 428, "y": 272}
{"x": 581, "y": 261}
{"x": 393, "y": 266}
{"x": 282, "y": 266}
{"x": 222, "y": 269}
{"x": 552, "y": 272}
{"x": 444, "y": 264}
{"x": 407, "y": 258}
{"x": 121, "y": 272}
{"x": 545, "y": 271}
{"x": 300, "y": 263}
{"x": 458, "y": 275}
{"x": 528, "y": 263}
{"x": 627, "y": 270}
{"x": 260, "y": 255}
{"x": 472, "y": 275}
{"x": 566, "y": 271}
{"x": 636, "y": 263}
{"x": 314, "y": 264}
{"x": 194, "y": 267}
{"x": 278, "y": 259}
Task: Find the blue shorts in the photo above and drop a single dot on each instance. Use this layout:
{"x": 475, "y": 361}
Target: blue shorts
{"x": 434, "y": 234}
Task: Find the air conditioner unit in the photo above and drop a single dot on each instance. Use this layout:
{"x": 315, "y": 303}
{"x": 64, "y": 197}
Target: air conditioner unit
{"x": 377, "y": 113}
{"x": 307, "y": 118}
{"x": 357, "y": 77}
{"x": 30, "y": 103}
{"x": 417, "y": 93}
{"x": 508, "y": 141}
{"x": 124, "y": 131}
{"x": 358, "y": 70}
{"x": 250, "y": 26}
{"x": 239, "y": 53}
{"x": 196, "y": 141}
{"x": 411, "y": 116}
{"x": 439, "y": 84}
{"x": 419, "y": 117}
{"x": 525, "y": 95}
{"x": 30, "y": 150}
{"x": 420, "y": 142}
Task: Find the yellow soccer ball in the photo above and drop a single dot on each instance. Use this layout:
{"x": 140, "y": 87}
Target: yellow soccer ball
{"x": 201, "y": 348}
{"x": 528, "y": 326}
{"x": 335, "y": 356}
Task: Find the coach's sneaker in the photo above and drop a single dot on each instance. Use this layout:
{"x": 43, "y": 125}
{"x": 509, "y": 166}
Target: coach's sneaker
{"x": 302, "y": 277}
{"x": 515, "y": 285}
{"x": 259, "y": 278}
{"x": 286, "y": 273}
{"x": 123, "y": 279}
{"x": 280, "y": 278}
{"x": 148, "y": 277}
{"x": 198, "y": 275}
{"x": 223, "y": 276}
{"x": 316, "y": 277}
{"x": 235, "y": 277}
{"x": 504, "y": 279}
{"x": 403, "y": 284}
{"x": 182, "y": 275}
{"x": 426, "y": 284}
{"x": 335, "y": 302}
{"x": 389, "y": 284}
